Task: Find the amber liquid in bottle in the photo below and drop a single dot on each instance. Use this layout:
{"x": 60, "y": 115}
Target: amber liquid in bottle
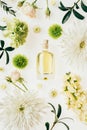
{"x": 45, "y": 63}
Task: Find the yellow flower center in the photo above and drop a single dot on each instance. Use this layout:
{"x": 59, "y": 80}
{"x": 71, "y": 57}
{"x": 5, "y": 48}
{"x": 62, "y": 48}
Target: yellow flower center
{"x": 3, "y": 86}
{"x": 21, "y": 108}
{"x": 1, "y": 69}
{"x": 82, "y": 45}
{"x": 53, "y": 93}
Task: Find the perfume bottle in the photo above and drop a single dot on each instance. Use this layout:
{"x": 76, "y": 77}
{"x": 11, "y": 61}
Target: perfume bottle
{"x": 45, "y": 63}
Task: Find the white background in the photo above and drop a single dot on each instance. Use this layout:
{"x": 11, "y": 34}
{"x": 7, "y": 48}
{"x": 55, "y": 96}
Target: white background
{"x": 31, "y": 48}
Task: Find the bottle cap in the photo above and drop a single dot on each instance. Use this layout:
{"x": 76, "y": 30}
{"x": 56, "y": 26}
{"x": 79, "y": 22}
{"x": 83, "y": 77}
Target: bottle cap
{"x": 45, "y": 44}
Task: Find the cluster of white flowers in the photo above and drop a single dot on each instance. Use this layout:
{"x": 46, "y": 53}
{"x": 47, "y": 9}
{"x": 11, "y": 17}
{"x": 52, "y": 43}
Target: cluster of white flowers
{"x": 76, "y": 96}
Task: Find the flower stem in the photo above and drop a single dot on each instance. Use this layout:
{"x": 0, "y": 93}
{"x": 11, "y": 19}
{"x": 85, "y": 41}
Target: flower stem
{"x": 54, "y": 123}
{"x": 18, "y": 87}
{"x": 78, "y": 1}
{"x": 65, "y": 118}
{"x": 34, "y": 2}
{"x": 75, "y": 4}
{"x": 47, "y": 3}
{"x": 24, "y": 86}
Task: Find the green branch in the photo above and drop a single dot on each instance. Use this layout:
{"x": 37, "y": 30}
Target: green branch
{"x": 7, "y": 9}
{"x": 57, "y": 113}
{"x": 73, "y": 10}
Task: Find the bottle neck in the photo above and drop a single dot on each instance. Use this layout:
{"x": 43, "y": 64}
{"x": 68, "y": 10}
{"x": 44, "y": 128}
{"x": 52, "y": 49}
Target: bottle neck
{"x": 45, "y": 45}
{"x": 45, "y": 49}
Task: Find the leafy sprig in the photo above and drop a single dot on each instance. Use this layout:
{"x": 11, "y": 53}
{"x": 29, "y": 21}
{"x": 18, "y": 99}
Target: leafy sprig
{"x": 5, "y": 50}
{"x": 7, "y": 9}
{"x": 73, "y": 9}
{"x": 2, "y": 28}
{"x": 57, "y": 113}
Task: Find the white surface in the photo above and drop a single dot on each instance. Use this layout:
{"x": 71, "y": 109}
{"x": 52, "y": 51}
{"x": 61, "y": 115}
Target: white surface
{"x": 31, "y": 48}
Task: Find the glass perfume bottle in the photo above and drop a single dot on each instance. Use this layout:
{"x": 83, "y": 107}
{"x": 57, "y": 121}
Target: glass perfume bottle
{"x": 45, "y": 63}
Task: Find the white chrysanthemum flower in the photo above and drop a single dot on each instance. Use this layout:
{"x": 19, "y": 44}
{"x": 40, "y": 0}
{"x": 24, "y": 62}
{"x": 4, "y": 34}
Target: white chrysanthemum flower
{"x": 20, "y": 111}
{"x": 74, "y": 44}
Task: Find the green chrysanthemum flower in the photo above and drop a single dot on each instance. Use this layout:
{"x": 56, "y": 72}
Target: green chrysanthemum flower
{"x": 17, "y": 31}
{"x": 55, "y": 31}
{"x": 20, "y": 61}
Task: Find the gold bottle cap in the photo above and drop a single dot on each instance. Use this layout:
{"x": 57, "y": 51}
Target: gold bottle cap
{"x": 45, "y": 44}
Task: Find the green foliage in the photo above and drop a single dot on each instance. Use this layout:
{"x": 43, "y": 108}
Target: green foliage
{"x": 7, "y": 9}
{"x": 78, "y": 15}
{"x": 66, "y": 16}
{"x": 17, "y": 31}
{"x": 83, "y": 6}
{"x": 57, "y": 113}
{"x": 47, "y": 125}
{"x": 65, "y": 125}
{"x": 2, "y": 28}
{"x": 5, "y": 50}
{"x": 20, "y": 61}
{"x": 62, "y": 7}
{"x": 55, "y": 31}
{"x": 59, "y": 110}
{"x": 53, "y": 110}
{"x": 75, "y": 9}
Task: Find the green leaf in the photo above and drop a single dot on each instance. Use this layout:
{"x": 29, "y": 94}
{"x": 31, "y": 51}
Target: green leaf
{"x": 84, "y": 7}
{"x": 53, "y": 111}
{"x": 5, "y": 8}
{"x": 53, "y": 108}
{"x": 7, "y": 57}
{"x": 2, "y": 28}
{"x": 47, "y": 125}
{"x": 12, "y": 12}
{"x": 1, "y": 54}
{"x": 3, "y": 3}
{"x": 59, "y": 110}
{"x": 77, "y": 7}
{"x": 1, "y": 48}
{"x": 2, "y": 43}
{"x": 78, "y": 15}
{"x": 9, "y": 49}
{"x": 66, "y": 16}
{"x": 65, "y": 125}
{"x": 62, "y": 7}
